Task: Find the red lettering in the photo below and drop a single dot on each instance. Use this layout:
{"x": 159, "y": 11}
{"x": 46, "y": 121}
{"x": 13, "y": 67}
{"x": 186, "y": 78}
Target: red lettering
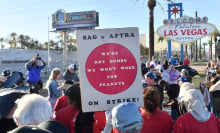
{"x": 183, "y": 32}
{"x": 205, "y": 31}
{"x": 188, "y": 32}
{"x": 175, "y": 33}
{"x": 171, "y": 32}
{"x": 193, "y": 32}
{"x": 199, "y": 32}
{"x": 184, "y": 20}
{"x": 165, "y": 33}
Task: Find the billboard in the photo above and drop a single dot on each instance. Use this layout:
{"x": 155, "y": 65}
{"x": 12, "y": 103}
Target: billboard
{"x": 75, "y": 20}
{"x": 109, "y": 61}
{"x": 186, "y": 29}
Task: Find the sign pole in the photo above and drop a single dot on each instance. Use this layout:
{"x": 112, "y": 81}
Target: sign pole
{"x": 169, "y": 41}
{"x": 64, "y": 48}
{"x": 169, "y": 17}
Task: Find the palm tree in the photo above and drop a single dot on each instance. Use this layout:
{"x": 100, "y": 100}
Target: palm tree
{"x": 210, "y": 49}
{"x": 13, "y": 40}
{"x": 71, "y": 41}
{"x": 46, "y": 45}
{"x": 21, "y": 40}
{"x": 191, "y": 49}
{"x": 215, "y": 34}
{"x": 27, "y": 41}
{"x": 204, "y": 54}
{"x": 151, "y": 5}
{"x": 186, "y": 51}
{"x": 160, "y": 39}
{"x": 200, "y": 49}
{"x": 1, "y": 40}
{"x": 52, "y": 44}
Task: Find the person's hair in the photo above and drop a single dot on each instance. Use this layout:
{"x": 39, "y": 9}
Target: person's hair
{"x": 84, "y": 121}
{"x": 32, "y": 109}
{"x": 180, "y": 63}
{"x": 164, "y": 84}
{"x": 53, "y": 75}
{"x": 151, "y": 99}
{"x": 153, "y": 57}
{"x": 158, "y": 62}
{"x": 136, "y": 129}
{"x": 165, "y": 64}
{"x": 208, "y": 65}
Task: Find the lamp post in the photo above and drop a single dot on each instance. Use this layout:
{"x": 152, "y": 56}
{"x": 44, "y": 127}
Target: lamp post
{"x": 48, "y": 45}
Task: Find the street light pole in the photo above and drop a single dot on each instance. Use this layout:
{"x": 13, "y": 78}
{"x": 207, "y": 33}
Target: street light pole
{"x": 48, "y": 45}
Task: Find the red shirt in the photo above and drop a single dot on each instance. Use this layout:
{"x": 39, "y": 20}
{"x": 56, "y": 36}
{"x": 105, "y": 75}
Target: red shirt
{"x": 65, "y": 115}
{"x": 188, "y": 124}
{"x": 60, "y": 103}
{"x": 98, "y": 125}
{"x": 156, "y": 122}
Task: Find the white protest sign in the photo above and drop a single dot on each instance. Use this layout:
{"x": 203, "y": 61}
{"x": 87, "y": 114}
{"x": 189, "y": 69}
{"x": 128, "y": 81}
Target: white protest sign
{"x": 186, "y": 29}
{"x": 110, "y": 68}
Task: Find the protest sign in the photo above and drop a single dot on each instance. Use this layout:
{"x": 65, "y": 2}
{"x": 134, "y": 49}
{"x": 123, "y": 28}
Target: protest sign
{"x": 109, "y": 61}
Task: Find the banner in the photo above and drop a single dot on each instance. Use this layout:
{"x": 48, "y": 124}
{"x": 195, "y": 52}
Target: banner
{"x": 186, "y": 29}
{"x": 109, "y": 61}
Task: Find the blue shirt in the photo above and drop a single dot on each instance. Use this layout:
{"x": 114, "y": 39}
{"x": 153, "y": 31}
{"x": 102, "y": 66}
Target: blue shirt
{"x": 34, "y": 74}
{"x": 53, "y": 90}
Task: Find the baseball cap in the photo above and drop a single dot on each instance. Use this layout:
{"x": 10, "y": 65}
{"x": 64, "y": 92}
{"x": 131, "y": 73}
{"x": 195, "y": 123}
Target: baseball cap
{"x": 186, "y": 72}
{"x": 73, "y": 66}
{"x": 126, "y": 116}
{"x": 151, "y": 75}
{"x": 6, "y": 73}
{"x": 66, "y": 85}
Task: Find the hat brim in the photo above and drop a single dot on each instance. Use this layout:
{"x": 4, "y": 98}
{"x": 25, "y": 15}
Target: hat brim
{"x": 65, "y": 86}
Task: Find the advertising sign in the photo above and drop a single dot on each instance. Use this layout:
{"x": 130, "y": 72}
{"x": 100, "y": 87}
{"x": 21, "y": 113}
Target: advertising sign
{"x": 109, "y": 61}
{"x": 186, "y": 29}
{"x": 74, "y": 20}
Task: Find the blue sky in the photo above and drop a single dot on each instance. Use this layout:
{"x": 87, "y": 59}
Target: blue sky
{"x": 30, "y": 17}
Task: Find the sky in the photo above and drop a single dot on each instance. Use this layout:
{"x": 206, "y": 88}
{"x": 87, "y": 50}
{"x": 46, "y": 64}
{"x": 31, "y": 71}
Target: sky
{"x": 30, "y": 17}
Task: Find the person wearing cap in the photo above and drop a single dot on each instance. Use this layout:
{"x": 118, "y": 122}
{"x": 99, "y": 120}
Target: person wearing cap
{"x": 32, "y": 109}
{"x": 6, "y": 73}
{"x": 44, "y": 127}
{"x": 151, "y": 80}
{"x": 7, "y": 108}
{"x": 197, "y": 119}
{"x": 152, "y": 115}
{"x": 123, "y": 118}
{"x": 34, "y": 73}
{"x": 52, "y": 85}
{"x": 61, "y": 101}
{"x": 184, "y": 77}
{"x": 70, "y": 74}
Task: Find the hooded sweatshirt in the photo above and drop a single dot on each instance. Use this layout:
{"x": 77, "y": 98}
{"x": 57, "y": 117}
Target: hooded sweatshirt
{"x": 195, "y": 105}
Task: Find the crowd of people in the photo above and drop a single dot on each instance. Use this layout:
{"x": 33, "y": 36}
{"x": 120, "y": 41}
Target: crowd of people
{"x": 193, "y": 110}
